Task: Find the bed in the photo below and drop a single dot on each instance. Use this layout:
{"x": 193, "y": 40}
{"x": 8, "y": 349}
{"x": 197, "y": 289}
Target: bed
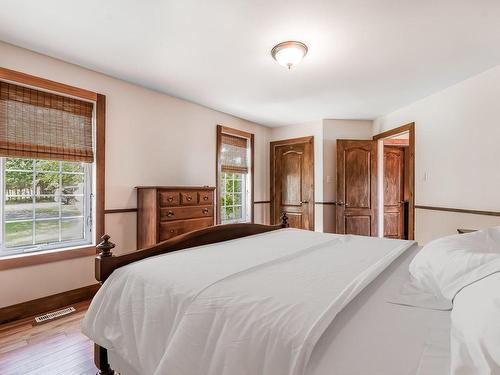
{"x": 255, "y": 299}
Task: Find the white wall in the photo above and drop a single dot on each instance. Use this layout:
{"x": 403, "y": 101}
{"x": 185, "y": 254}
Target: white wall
{"x": 457, "y": 147}
{"x": 151, "y": 139}
{"x": 333, "y": 130}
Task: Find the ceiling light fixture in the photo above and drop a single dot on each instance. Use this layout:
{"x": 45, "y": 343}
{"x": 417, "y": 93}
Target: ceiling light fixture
{"x": 289, "y": 53}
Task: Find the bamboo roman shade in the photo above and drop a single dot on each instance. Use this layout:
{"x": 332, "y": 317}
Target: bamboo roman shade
{"x": 37, "y": 124}
{"x": 234, "y": 151}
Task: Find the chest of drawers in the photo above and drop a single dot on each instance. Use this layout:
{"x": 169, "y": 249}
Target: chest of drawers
{"x": 167, "y": 211}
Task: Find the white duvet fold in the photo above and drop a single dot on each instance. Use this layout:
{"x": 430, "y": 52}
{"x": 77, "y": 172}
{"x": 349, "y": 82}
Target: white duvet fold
{"x": 256, "y": 305}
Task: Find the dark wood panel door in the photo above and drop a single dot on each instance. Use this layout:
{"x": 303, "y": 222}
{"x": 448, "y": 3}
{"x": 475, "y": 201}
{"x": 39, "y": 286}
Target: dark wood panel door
{"x": 292, "y": 182}
{"x": 357, "y": 187}
{"x": 394, "y": 192}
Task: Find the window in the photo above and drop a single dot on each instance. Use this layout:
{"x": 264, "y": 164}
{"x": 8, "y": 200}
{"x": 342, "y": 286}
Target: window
{"x": 45, "y": 204}
{"x": 233, "y": 197}
{"x": 234, "y": 171}
{"x": 47, "y": 168}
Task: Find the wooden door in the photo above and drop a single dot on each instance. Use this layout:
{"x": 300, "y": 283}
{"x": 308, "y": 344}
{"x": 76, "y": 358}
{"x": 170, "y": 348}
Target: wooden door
{"x": 394, "y": 162}
{"x": 292, "y": 182}
{"x": 357, "y": 187}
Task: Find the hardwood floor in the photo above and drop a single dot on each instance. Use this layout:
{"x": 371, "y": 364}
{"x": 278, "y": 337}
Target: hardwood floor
{"x": 52, "y": 348}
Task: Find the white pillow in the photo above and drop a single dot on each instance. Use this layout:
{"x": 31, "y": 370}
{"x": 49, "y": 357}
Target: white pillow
{"x": 446, "y": 265}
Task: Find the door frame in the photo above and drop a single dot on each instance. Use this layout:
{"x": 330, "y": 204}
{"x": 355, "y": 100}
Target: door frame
{"x": 410, "y": 128}
{"x": 272, "y": 152}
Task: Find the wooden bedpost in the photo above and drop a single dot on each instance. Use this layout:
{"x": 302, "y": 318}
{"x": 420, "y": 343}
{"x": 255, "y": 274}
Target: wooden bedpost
{"x": 104, "y": 261}
{"x": 284, "y": 220}
{"x": 101, "y": 361}
{"x": 104, "y": 265}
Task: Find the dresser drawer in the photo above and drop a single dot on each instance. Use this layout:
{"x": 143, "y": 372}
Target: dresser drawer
{"x": 189, "y": 198}
{"x": 180, "y": 213}
{"x": 172, "y": 229}
{"x": 169, "y": 198}
{"x": 205, "y": 197}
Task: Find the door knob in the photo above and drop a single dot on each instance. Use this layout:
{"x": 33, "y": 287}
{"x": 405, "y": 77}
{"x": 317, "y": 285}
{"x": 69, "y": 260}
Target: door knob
{"x": 340, "y": 204}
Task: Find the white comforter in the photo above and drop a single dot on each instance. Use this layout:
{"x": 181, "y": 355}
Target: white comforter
{"x": 255, "y": 305}
{"x": 475, "y": 329}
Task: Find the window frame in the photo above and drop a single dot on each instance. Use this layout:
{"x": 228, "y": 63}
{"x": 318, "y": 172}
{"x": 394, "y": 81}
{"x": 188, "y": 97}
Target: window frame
{"x": 250, "y": 175}
{"x": 98, "y": 204}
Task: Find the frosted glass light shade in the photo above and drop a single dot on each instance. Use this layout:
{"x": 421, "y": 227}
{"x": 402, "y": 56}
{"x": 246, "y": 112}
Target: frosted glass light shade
{"x": 289, "y": 53}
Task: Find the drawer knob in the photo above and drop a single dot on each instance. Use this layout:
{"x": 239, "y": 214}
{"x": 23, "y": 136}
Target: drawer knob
{"x": 170, "y": 199}
{"x": 170, "y": 213}
{"x": 172, "y": 231}
{"x": 205, "y": 211}
{"x": 189, "y": 198}
{"x": 205, "y": 198}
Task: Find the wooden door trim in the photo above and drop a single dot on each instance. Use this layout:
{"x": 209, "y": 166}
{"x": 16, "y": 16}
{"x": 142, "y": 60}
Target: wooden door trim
{"x": 46, "y": 84}
{"x": 292, "y": 141}
{"x": 272, "y": 152}
{"x": 389, "y": 133}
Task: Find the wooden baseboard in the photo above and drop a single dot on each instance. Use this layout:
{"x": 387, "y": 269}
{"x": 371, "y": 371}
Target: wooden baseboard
{"x": 47, "y": 304}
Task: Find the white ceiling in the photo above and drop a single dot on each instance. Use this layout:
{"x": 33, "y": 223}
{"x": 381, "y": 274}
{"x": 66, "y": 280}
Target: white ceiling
{"x": 366, "y": 57}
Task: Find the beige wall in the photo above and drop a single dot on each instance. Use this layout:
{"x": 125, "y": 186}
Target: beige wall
{"x": 152, "y": 139}
{"x": 456, "y": 153}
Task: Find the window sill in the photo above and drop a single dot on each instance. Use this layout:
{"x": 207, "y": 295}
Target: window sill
{"x": 47, "y": 256}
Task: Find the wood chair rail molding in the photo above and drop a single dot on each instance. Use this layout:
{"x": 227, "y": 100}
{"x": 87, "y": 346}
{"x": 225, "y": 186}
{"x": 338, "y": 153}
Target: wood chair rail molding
{"x": 459, "y": 210}
{"x": 34, "y": 258}
{"x": 119, "y": 210}
{"x": 133, "y": 209}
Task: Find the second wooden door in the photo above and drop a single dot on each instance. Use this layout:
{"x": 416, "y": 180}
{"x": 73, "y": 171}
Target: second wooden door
{"x": 292, "y": 182}
{"x": 357, "y": 187}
